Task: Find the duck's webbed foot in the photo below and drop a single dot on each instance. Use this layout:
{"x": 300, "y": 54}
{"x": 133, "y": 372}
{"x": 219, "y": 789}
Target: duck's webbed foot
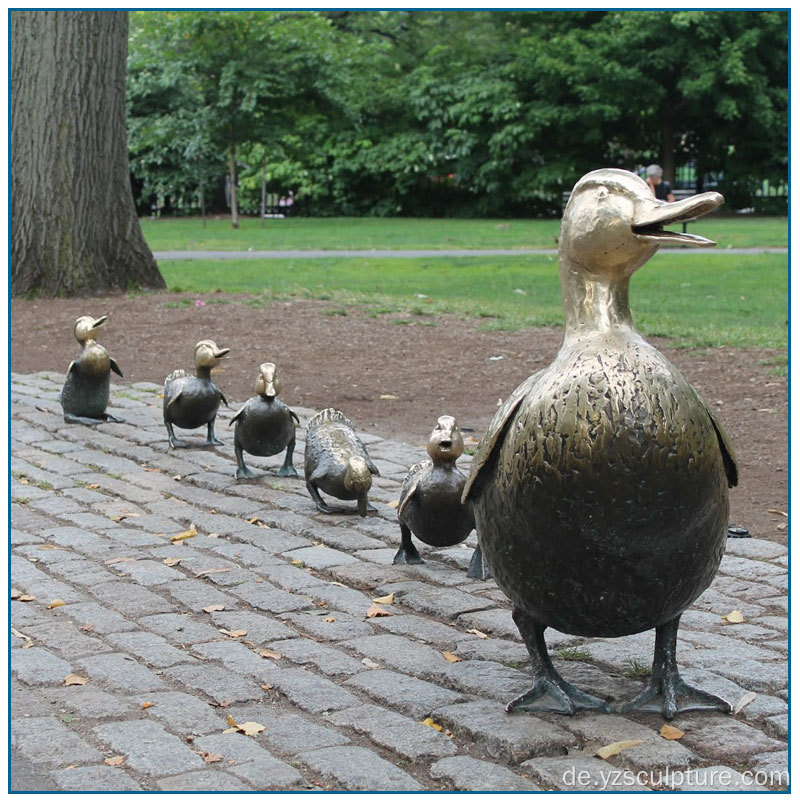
{"x": 288, "y": 470}
{"x": 667, "y": 692}
{"x": 550, "y": 692}
{"x": 319, "y": 502}
{"x": 408, "y": 553}
{"x": 245, "y": 472}
{"x": 76, "y": 420}
{"x": 478, "y": 566}
{"x": 173, "y": 440}
{"x": 212, "y": 440}
{"x": 110, "y": 418}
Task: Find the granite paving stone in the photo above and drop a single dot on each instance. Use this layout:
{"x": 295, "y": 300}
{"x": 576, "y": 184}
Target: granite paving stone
{"x": 36, "y": 666}
{"x": 90, "y": 702}
{"x": 148, "y": 748}
{"x": 203, "y": 781}
{"x": 330, "y": 626}
{"x": 260, "y": 628}
{"x": 148, "y": 573}
{"x": 49, "y": 743}
{"x": 102, "y": 619}
{"x": 712, "y": 779}
{"x": 266, "y": 597}
{"x": 576, "y": 772}
{"x": 401, "y": 654}
{"x": 92, "y": 779}
{"x": 216, "y": 682}
{"x": 182, "y": 712}
{"x": 311, "y": 692}
{"x": 424, "y": 630}
{"x": 121, "y": 672}
{"x": 149, "y": 648}
{"x": 326, "y": 659}
{"x": 65, "y": 639}
{"x": 181, "y": 628}
{"x": 358, "y": 769}
{"x": 237, "y": 656}
{"x": 721, "y": 739}
{"x": 468, "y": 774}
{"x": 129, "y": 598}
{"x": 774, "y": 768}
{"x": 195, "y": 594}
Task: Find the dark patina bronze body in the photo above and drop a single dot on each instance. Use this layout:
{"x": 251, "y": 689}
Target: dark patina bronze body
{"x": 265, "y": 425}
{"x": 337, "y": 462}
{"x": 601, "y": 488}
{"x": 430, "y": 499}
{"x": 84, "y": 396}
{"x": 191, "y": 401}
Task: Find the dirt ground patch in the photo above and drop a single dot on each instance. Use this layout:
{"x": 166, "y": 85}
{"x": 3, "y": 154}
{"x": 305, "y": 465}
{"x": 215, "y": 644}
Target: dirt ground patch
{"x": 344, "y": 357}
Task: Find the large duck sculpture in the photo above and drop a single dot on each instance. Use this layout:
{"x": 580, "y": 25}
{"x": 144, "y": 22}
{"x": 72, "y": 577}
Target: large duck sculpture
{"x": 84, "y": 396}
{"x": 600, "y": 490}
{"x": 191, "y": 401}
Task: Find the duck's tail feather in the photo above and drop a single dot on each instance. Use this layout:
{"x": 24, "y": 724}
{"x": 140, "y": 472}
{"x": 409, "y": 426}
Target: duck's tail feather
{"x": 173, "y": 376}
{"x": 327, "y": 415}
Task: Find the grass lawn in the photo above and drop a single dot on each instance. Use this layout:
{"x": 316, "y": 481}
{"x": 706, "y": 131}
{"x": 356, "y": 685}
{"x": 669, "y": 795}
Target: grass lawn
{"x": 351, "y": 233}
{"x": 699, "y": 300}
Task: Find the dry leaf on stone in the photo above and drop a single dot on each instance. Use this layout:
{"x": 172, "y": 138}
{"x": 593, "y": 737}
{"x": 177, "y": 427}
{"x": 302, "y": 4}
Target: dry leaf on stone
{"x": 92, "y": 486}
{"x": 247, "y": 728}
{"x": 377, "y": 611}
{"x": 75, "y": 680}
{"x": 267, "y": 653}
{"x": 16, "y": 594}
{"x": 212, "y": 571}
{"x": 57, "y": 603}
{"x": 210, "y": 609}
{"x": 671, "y": 732}
{"x": 253, "y": 520}
{"x": 393, "y": 503}
{"x": 146, "y": 705}
{"x": 237, "y": 634}
{"x": 28, "y": 640}
{"x": 777, "y": 511}
{"x": 479, "y": 634}
{"x": 266, "y": 686}
{"x": 617, "y": 747}
{"x": 330, "y": 619}
{"x": 746, "y": 699}
{"x": 368, "y": 662}
{"x": 296, "y": 562}
{"x": 88, "y": 627}
{"x": 126, "y": 515}
{"x": 115, "y": 761}
{"x": 451, "y": 657}
{"x": 431, "y": 724}
{"x": 734, "y": 616}
{"x": 209, "y": 758}
{"x": 179, "y": 537}
{"x": 120, "y": 560}
{"x": 171, "y": 562}
{"x": 389, "y": 397}
{"x": 386, "y": 600}
{"x": 26, "y": 598}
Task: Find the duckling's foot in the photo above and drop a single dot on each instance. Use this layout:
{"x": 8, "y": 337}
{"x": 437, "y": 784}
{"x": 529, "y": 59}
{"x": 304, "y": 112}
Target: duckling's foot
{"x": 556, "y": 694}
{"x": 288, "y": 471}
{"x": 75, "y": 419}
{"x": 109, "y": 418}
{"x": 173, "y": 442}
{"x": 212, "y": 441}
{"x": 408, "y": 553}
{"x": 245, "y": 472}
{"x": 667, "y": 692}
{"x": 478, "y": 566}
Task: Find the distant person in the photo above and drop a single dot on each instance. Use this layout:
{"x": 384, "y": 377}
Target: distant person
{"x": 658, "y": 186}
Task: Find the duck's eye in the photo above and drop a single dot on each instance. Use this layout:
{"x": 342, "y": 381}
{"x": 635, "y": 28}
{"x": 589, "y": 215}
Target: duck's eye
{"x": 602, "y": 193}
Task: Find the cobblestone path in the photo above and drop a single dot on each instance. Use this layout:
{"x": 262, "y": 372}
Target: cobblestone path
{"x": 262, "y": 617}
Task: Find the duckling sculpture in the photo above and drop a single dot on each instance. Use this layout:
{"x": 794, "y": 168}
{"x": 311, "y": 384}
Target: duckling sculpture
{"x": 84, "y": 396}
{"x": 430, "y": 500}
{"x": 337, "y": 462}
{"x": 600, "y": 489}
{"x": 265, "y": 425}
{"x": 193, "y": 400}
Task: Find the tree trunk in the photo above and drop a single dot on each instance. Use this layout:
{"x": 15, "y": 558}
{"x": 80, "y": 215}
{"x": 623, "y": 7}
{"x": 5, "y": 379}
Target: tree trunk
{"x": 74, "y": 229}
{"x": 234, "y": 202}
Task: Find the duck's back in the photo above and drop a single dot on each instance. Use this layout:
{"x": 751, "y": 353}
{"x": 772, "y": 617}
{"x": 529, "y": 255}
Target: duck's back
{"x": 608, "y": 488}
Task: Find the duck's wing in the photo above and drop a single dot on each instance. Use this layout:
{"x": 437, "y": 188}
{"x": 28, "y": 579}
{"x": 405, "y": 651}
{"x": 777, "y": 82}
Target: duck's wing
{"x": 496, "y": 432}
{"x": 174, "y": 397}
{"x": 370, "y": 466}
{"x": 237, "y": 415}
{"x": 726, "y": 448}
{"x": 113, "y": 364}
{"x": 411, "y": 483}
{"x": 296, "y": 418}
{"x": 222, "y": 396}
{"x": 71, "y": 366}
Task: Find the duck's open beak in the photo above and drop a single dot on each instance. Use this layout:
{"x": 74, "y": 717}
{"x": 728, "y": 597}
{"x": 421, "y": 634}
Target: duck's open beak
{"x": 99, "y": 321}
{"x": 651, "y": 217}
{"x": 222, "y": 352}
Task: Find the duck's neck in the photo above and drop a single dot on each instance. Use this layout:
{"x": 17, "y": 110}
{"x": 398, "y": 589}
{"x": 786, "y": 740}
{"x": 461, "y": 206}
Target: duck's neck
{"x": 204, "y": 373}
{"x": 594, "y": 303}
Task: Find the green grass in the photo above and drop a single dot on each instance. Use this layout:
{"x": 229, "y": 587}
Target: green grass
{"x": 351, "y": 233}
{"x": 698, "y": 300}
{"x": 573, "y": 654}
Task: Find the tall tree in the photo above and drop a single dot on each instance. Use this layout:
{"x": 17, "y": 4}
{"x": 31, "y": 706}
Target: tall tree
{"x": 74, "y": 229}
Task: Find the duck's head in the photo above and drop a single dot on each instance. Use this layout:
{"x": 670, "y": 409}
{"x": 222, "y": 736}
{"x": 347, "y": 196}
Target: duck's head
{"x": 613, "y": 224}
{"x": 268, "y": 383}
{"x": 358, "y": 480}
{"x": 207, "y": 355}
{"x": 86, "y": 328}
{"x": 446, "y": 443}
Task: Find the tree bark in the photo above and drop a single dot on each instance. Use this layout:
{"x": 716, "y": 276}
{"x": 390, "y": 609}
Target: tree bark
{"x": 74, "y": 228}
{"x": 234, "y": 201}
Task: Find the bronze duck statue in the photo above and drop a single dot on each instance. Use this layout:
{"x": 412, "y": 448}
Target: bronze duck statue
{"x": 84, "y": 396}
{"x": 265, "y": 425}
{"x": 430, "y": 500}
{"x": 600, "y": 490}
{"x": 193, "y": 400}
{"x": 337, "y": 462}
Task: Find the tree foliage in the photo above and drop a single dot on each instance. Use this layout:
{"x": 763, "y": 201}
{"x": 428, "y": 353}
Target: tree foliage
{"x": 469, "y": 112}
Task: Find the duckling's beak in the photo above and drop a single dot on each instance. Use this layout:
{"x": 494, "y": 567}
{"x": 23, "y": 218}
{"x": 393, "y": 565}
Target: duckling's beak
{"x": 99, "y": 321}
{"x": 652, "y": 215}
{"x": 222, "y": 352}
{"x": 269, "y": 390}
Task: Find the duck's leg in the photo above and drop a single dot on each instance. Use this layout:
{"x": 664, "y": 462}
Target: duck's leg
{"x": 211, "y": 439}
{"x": 478, "y": 566}
{"x": 408, "y": 553}
{"x": 288, "y": 470}
{"x": 666, "y": 687}
{"x": 242, "y": 470}
{"x": 319, "y": 502}
{"x": 551, "y": 691}
{"x": 173, "y": 440}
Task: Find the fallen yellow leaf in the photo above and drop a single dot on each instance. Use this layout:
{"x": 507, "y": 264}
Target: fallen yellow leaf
{"x": 146, "y": 705}
{"x": 389, "y": 397}
{"x": 431, "y": 724}
{"x": 734, "y": 616}
{"x": 237, "y": 634}
{"x": 126, "y": 515}
{"x": 266, "y": 686}
{"x": 210, "y": 609}
{"x": 386, "y": 600}
{"x": 119, "y": 560}
{"x": 115, "y": 761}
{"x": 209, "y": 758}
{"x": 171, "y": 562}
{"x": 377, "y": 611}
{"x": 57, "y": 603}
{"x": 179, "y": 537}
{"x": 212, "y": 571}
{"x": 393, "y": 503}
{"x": 368, "y": 662}
{"x": 26, "y": 598}
{"x": 75, "y": 680}
{"x": 28, "y": 640}
{"x": 92, "y": 486}
{"x": 296, "y": 562}
{"x": 247, "y": 728}
{"x": 671, "y": 732}
{"x": 746, "y": 699}
{"x": 267, "y": 653}
{"x": 88, "y": 627}
{"x": 451, "y": 657}
{"x": 777, "y": 511}
{"x": 330, "y": 619}
{"x": 16, "y": 594}
{"x": 479, "y": 634}
{"x": 617, "y": 747}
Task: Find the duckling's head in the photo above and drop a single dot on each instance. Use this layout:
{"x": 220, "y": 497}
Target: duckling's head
{"x": 613, "y": 224}
{"x": 207, "y": 355}
{"x": 446, "y": 443}
{"x": 268, "y": 383}
{"x": 86, "y": 328}
{"x": 357, "y": 479}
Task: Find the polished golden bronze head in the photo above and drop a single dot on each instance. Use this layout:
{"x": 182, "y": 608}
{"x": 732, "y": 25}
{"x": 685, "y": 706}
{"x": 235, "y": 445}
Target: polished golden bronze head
{"x": 446, "y": 442}
{"x": 268, "y": 383}
{"x": 207, "y": 355}
{"x": 86, "y": 328}
{"x": 358, "y": 479}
